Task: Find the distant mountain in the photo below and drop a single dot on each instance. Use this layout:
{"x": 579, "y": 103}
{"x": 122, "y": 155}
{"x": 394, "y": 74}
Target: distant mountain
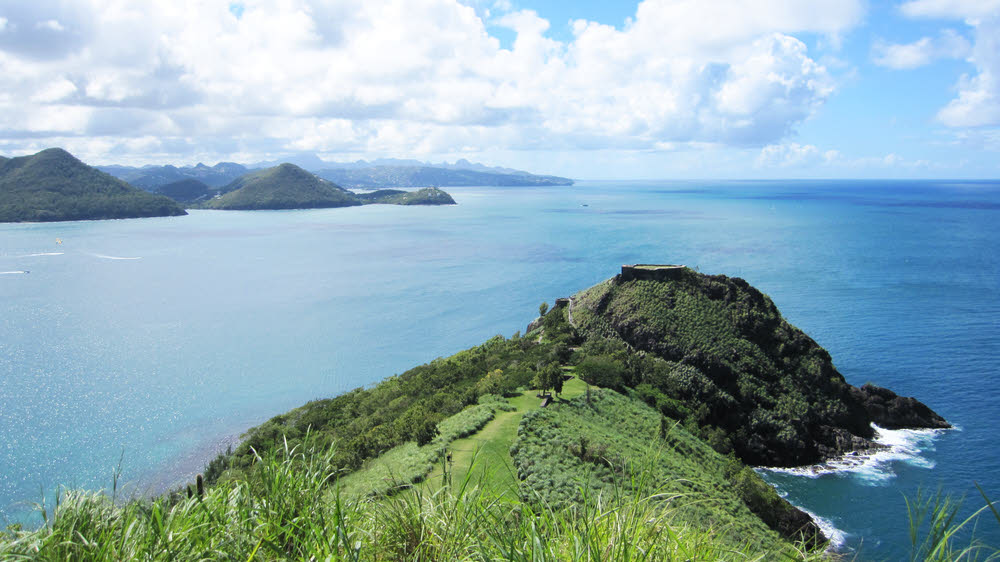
{"x": 425, "y": 196}
{"x": 54, "y": 186}
{"x": 376, "y": 174}
{"x": 286, "y": 186}
{"x": 420, "y": 176}
{"x": 187, "y": 191}
{"x": 152, "y": 177}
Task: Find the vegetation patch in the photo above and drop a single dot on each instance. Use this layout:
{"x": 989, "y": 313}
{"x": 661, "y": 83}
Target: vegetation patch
{"x": 593, "y": 447}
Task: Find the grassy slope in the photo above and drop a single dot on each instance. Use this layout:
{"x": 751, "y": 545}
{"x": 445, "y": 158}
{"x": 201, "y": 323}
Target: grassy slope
{"x": 680, "y": 467}
{"x": 485, "y": 456}
{"x": 609, "y": 445}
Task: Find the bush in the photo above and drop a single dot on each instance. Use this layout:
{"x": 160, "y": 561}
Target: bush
{"x": 602, "y": 371}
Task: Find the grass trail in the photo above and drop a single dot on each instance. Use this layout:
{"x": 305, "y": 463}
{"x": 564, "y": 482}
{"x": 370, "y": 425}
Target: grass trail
{"x": 487, "y": 453}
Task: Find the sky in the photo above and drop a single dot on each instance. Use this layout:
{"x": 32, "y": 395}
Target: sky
{"x": 581, "y": 88}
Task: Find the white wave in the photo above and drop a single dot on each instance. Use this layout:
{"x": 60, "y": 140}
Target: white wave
{"x": 102, "y": 256}
{"x": 42, "y": 254}
{"x": 875, "y": 467}
{"x": 12, "y": 272}
{"x": 830, "y": 531}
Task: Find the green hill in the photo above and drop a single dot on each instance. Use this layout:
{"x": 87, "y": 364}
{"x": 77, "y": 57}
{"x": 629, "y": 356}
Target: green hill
{"x": 282, "y": 187}
{"x": 425, "y": 196}
{"x": 714, "y": 351}
{"x": 54, "y": 186}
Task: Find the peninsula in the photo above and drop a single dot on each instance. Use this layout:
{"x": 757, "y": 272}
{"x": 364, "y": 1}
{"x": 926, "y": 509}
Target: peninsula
{"x": 627, "y": 419}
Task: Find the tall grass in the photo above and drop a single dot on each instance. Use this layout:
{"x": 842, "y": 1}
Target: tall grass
{"x": 289, "y": 508}
{"x": 935, "y": 529}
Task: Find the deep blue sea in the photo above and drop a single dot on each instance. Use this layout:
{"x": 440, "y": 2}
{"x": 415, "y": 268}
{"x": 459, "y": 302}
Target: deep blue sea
{"x": 158, "y": 341}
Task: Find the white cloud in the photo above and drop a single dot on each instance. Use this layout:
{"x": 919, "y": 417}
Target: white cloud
{"x": 921, "y": 52}
{"x": 809, "y": 158}
{"x": 978, "y": 101}
{"x": 950, "y": 9}
{"x": 417, "y": 77}
{"x": 51, "y": 25}
{"x": 3, "y": 23}
{"x": 791, "y": 155}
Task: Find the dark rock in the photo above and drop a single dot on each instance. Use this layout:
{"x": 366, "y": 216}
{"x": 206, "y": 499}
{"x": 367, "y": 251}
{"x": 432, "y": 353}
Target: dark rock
{"x": 891, "y": 411}
{"x": 796, "y": 524}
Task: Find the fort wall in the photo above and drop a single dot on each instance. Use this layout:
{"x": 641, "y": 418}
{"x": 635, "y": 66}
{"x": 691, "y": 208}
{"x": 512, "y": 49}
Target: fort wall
{"x": 655, "y": 272}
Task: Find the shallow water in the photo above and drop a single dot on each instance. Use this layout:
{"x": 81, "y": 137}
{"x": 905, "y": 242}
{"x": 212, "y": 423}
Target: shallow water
{"x": 158, "y": 341}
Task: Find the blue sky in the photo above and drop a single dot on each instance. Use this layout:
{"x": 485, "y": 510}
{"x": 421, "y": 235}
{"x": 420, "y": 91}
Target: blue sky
{"x": 653, "y": 89}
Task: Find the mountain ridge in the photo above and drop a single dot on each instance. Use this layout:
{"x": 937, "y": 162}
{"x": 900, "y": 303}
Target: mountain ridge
{"x": 378, "y": 173}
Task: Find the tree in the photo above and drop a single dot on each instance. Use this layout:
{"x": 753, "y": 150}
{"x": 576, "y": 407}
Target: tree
{"x": 543, "y": 308}
{"x": 601, "y": 371}
{"x": 557, "y": 383}
{"x": 492, "y": 383}
{"x": 541, "y": 381}
{"x": 426, "y": 432}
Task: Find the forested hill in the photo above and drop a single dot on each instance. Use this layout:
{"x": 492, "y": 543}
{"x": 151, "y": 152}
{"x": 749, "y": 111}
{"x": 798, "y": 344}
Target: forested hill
{"x": 715, "y": 352}
{"x": 52, "y": 185}
{"x": 282, "y": 187}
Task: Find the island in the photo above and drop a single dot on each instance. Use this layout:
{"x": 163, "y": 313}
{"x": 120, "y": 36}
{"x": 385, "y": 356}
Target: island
{"x": 425, "y": 196}
{"x": 625, "y": 421}
{"x": 288, "y": 186}
{"x": 53, "y": 185}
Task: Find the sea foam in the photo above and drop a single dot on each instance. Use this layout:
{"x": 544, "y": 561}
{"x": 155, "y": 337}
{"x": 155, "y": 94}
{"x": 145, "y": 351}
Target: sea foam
{"x": 830, "y": 531}
{"x": 875, "y": 467}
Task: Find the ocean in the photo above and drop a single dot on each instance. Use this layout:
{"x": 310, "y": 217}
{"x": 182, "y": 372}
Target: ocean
{"x": 149, "y": 345}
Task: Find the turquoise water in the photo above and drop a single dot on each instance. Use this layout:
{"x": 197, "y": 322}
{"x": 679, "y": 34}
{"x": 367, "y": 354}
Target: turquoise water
{"x": 157, "y": 341}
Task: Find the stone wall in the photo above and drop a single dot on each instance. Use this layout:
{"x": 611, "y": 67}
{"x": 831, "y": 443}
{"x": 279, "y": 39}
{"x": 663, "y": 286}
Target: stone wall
{"x": 653, "y": 272}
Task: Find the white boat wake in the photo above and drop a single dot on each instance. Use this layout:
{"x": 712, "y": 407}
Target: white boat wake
{"x": 104, "y": 257}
